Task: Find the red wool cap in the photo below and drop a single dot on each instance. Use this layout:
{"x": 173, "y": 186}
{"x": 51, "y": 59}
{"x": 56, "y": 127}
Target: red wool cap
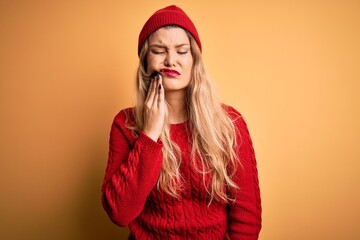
{"x": 171, "y": 15}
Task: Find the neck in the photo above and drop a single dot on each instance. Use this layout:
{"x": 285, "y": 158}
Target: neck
{"x": 177, "y": 110}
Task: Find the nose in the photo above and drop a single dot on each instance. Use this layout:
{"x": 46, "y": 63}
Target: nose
{"x": 170, "y": 59}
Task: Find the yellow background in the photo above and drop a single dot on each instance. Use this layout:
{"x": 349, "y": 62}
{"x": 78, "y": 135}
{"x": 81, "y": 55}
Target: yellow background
{"x": 292, "y": 68}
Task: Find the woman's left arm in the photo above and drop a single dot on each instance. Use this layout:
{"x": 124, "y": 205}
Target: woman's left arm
{"x": 244, "y": 213}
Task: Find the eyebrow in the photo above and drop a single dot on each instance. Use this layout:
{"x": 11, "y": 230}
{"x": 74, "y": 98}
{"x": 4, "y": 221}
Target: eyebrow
{"x": 163, "y": 46}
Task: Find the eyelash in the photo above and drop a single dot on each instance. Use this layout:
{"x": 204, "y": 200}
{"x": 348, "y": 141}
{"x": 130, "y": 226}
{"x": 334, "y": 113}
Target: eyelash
{"x": 159, "y": 52}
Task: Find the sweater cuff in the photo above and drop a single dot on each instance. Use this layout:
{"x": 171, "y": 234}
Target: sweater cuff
{"x": 148, "y": 143}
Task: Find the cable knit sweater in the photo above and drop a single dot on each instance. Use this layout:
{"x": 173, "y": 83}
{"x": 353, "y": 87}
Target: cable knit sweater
{"x": 130, "y": 196}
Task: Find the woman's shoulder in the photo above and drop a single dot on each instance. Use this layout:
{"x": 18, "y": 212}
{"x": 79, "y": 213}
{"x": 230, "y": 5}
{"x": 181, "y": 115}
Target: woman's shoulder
{"x": 231, "y": 111}
{"x": 125, "y": 116}
{"x": 236, "y": 117}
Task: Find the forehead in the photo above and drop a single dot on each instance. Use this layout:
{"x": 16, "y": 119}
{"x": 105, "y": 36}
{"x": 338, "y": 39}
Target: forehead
{"x": 169, "y": 36}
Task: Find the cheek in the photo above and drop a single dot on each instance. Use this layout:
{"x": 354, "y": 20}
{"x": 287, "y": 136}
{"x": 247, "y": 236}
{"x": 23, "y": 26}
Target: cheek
{"x": 189, "y": 66}
{"x": 151, "y": 63}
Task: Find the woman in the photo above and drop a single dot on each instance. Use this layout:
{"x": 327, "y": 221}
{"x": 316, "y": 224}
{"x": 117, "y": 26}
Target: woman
{"x": 181, "y": 164}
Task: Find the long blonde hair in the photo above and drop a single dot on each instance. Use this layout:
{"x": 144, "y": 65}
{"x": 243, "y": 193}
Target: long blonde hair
{"x": 213, "y": 132}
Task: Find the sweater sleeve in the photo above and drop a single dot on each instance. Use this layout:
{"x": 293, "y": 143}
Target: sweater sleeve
{"x": 245, "y": 212}
{"x": 132, "y": 171}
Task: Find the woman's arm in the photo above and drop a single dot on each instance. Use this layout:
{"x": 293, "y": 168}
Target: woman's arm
{"x": 132, "y": 172}
{"x": 245, "y": 212}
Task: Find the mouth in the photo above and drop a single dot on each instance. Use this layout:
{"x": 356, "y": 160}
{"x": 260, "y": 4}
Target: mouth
{"x": 169, "y": 72}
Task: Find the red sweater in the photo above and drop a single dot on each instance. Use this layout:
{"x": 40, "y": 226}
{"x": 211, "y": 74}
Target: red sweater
{"x": 130, "y": 196}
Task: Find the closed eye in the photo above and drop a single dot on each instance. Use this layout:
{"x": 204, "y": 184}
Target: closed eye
{"x": 157, "y": 52}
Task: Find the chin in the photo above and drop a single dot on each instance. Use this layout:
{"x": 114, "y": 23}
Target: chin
{"x": 173, "y": 85}
{"x": 172, "y": 88}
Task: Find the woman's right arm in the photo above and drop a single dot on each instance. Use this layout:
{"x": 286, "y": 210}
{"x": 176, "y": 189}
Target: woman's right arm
{"x": 132, "y": 172}
{"x": 134, "y": 165}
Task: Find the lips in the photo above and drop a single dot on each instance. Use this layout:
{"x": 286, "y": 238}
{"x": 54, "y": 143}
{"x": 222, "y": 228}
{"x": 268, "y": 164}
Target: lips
{"x": 170, "y": 72}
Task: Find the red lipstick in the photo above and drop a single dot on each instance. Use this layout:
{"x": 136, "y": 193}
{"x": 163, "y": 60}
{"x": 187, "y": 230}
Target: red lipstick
{"x": 169, "y": 72}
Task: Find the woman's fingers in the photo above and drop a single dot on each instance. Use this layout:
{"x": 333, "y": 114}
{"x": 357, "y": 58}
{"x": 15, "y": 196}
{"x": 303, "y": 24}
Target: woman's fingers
{"x": 156, "y": 92}
{"x": 154, "y": 111}
{"x": 156, "y": 87}
{"x": 149, "y": 90}
{"x": 151, "y": 93}
{"x": 161, "y": 94}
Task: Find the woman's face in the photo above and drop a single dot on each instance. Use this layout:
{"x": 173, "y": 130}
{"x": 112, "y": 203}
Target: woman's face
{"x": 170, "y": 55}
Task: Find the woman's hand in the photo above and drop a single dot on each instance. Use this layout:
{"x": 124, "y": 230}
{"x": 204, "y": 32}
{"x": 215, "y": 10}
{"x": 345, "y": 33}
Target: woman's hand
{"x": 154, "y": 109}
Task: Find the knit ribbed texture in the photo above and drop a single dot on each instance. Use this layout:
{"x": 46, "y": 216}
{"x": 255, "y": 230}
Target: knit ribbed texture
{"x": 130, "y": 196}
{"x": 171, "y": 15}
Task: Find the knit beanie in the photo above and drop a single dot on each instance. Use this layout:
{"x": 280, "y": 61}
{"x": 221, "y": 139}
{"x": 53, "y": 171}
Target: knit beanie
{"x": 171, "y": 15}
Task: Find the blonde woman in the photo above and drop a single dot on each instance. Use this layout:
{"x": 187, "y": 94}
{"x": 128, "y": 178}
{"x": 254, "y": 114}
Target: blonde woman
{"x": 181, "y": 164}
